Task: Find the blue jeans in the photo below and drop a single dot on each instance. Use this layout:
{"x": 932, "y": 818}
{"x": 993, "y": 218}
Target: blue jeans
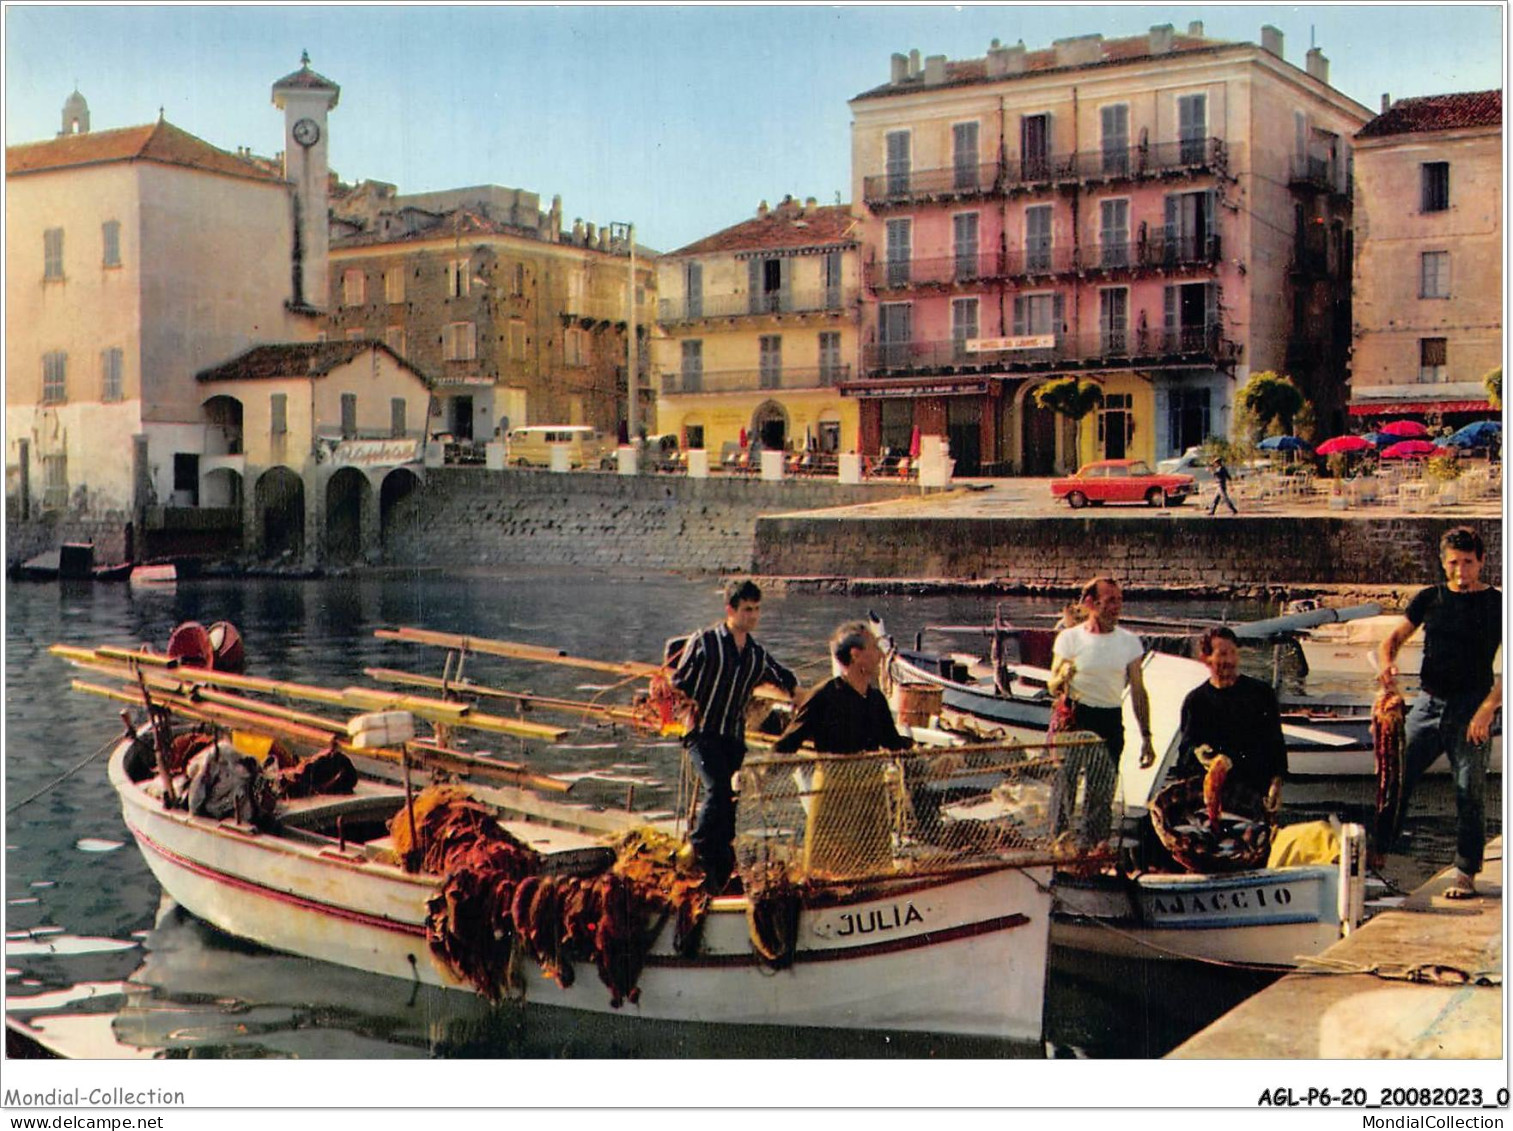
{"x": 1221, "y": 491}
{"x": 1438, "y": 726}
{"x": 713, "y": 836}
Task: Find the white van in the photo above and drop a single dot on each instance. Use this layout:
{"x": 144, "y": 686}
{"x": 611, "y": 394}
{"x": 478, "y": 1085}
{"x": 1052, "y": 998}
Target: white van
{"x": 532, "y": 446}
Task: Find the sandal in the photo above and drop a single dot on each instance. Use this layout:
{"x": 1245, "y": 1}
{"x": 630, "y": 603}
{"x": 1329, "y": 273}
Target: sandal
{"x": 1461, "y": 887}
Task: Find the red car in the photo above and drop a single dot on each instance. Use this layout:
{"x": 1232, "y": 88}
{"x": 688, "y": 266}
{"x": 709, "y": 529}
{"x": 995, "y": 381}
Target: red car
{"x": 1122, "y": 481}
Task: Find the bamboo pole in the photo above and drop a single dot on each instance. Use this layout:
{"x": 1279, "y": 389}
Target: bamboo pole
{"x": 455, "y": 761}
{"x": 514, "y": 651}
{"x": 122, "y": 662}
{"x": 607, "y": 710}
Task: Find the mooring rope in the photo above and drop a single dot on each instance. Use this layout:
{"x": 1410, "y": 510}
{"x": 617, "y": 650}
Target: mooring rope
{"x": 61, "y": 778}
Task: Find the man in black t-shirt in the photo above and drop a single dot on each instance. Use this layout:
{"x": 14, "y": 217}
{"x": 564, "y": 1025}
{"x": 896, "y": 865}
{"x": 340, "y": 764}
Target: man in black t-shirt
{"x": 1453, "y": 713}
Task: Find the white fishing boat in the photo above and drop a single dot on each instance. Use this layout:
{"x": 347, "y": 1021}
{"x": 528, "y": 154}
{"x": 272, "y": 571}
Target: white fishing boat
{"x": 896, "y": 950}
{"x": 1349, "y": 648}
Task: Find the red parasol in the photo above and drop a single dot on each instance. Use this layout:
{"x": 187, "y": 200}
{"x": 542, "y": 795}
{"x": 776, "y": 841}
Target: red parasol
{"x": 1344, "y": 444}
{"x": 914, "y": 443}
{"x": 1404, "y": 429}
{"x": 743, "y": 436}
{"x": 1409, "y": 449}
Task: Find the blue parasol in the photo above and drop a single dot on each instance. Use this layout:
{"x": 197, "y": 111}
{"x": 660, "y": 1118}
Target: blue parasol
{"x": 1282, "y": 444}
{"x": 1477, "y": 435}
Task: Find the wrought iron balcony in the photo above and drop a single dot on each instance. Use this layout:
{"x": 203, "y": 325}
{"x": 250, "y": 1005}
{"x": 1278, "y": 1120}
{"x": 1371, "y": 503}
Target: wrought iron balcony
{"x": 1311, "y": 171}
{"x": 1024, "y": 172}
{"x": 1111, "y": 349}
{"x": 1161, "y": 253}
{"x": 754, "y": 380}
{"x": 693, "y": 308}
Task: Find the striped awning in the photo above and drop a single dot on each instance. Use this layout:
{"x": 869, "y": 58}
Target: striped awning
{"x": 1380, "y": 408}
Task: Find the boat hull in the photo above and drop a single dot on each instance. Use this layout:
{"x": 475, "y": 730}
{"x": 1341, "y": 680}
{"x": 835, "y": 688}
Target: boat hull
{"x": 904, "y": 955}
{"x": 1267, "y": 917}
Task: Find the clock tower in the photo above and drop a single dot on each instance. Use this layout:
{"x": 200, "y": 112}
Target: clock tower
{"x": 306, "y": 98}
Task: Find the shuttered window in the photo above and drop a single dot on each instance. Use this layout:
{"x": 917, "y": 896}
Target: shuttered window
{"x": 54, "y": 377}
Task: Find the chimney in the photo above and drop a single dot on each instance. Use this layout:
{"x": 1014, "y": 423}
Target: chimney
{"x": 935, "y": 70}
{"x": 1014, "y": 59}
{"x": 1386, "y": 103}
{"x": 898, "y": 69}
{"x": 1271, "y": 40}
{"x": 914, "y": 62}
{"x": 762, "y": 210}
{"x": 1195, "y": 29}
{"x": 590, "y": 234}
{"x": 810, "y": 204}
{"x": 1317, "y": 65}
{"x": 578, "y": 230}
{"x": 1079, "y": 51}
{"x": 997, "y": 60}
{"x": 1161, "y": 39}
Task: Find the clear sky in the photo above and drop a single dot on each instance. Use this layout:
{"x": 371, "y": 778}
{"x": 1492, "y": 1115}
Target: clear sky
{"x": 679, "y": 118}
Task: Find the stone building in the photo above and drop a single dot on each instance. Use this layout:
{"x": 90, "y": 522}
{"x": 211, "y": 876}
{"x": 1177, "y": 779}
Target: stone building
{"x": 1428, "y": 257}
{"x": 1164, "y": 214}
{"x": 514, "y": 320}
{"x": 758, "y": 332}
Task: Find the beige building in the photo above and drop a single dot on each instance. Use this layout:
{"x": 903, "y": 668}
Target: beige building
{"x": 330, "y": 434}
{"x": 515, "y": 320}
{"x": 136, "y": 258}
{"x": 1428, "y": 258}
{"x": 758, "y": 331}
{"x": 1164, "y": 214}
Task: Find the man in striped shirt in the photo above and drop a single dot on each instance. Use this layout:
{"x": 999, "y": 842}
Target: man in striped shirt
{"x": 718, "y": 670}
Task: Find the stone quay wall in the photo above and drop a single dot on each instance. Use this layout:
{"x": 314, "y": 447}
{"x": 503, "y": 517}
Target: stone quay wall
{"x": 463, "y": 517}
{"x": 1161, "y": 552}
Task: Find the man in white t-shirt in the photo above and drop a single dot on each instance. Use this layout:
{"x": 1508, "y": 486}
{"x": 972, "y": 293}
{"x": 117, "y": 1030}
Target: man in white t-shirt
{"x": 1093, "y": 663}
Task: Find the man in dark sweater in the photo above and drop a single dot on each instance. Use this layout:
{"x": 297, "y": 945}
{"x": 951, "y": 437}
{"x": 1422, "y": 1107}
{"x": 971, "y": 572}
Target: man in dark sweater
{"x": 1234, "y": 715}
{"x": 849, "y": 829}
{"x": 1453, "y": 713}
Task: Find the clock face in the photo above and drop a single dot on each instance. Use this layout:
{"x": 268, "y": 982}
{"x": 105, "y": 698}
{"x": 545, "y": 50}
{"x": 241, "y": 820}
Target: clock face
{"x": 306, "y": 132}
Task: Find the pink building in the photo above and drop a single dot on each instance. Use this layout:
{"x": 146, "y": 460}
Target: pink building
{"x": 1164, "y": 214}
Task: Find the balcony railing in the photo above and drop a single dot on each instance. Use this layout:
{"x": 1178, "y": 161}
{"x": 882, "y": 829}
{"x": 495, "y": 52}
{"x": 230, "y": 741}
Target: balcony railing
{"x": 1111, "y": 349}
{"x": 751, "y": 380}
{"x": 1135, "y": 162}
{"x": 749, "y": 305}
{"x": 1159, "y": 253}
{"x": 1312, "y": 171}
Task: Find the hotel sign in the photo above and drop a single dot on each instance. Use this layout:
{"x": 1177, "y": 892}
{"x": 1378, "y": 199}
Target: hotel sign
{"x": 923, "y": 389}
{"x": 1022, "y": 342}
{"x": 376, "y": 453}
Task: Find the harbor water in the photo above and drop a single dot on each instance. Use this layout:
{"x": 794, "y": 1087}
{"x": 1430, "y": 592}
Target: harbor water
{"x": 99, "y": 961}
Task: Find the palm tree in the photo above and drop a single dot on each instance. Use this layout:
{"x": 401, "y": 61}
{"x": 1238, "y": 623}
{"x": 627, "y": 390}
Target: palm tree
{"x": 1268, "y": 397}
{"x": 1493, "y": 383}
{"x": 1073, "y": 399}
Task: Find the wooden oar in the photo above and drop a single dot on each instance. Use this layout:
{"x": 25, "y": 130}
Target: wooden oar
{"x": 580, "y": 706}
{"x": 456, "y": 761}
{"x": 121, "y": 662}
{"x": 537, "y": 654}
{"x": 511, "y": 650}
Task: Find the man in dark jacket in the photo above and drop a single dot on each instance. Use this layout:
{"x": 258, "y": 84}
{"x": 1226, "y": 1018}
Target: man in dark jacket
{"x": 1234, "y": 715}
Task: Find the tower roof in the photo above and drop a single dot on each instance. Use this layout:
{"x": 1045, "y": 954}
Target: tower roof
{"x": 306, "y": 79}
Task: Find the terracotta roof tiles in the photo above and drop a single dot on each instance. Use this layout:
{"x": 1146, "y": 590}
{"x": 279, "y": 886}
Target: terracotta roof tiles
{"x": 294, "y": 359}
{"x": 1437, "y": 112}
{"x": 162, "y": 143}
{"x": 785, "y": 227}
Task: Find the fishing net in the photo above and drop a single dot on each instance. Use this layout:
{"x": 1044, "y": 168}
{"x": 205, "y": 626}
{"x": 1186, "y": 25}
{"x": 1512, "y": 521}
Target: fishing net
{"x": 817, "y": 818}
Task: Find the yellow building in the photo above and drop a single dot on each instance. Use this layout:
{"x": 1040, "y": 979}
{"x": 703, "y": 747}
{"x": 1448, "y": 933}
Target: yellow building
{"x": 1428, "y": 258}
{"x": 758, "y": 329}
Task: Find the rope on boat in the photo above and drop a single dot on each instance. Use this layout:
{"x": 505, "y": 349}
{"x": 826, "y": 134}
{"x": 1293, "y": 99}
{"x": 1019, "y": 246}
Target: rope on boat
{"x": 63, "y": 777}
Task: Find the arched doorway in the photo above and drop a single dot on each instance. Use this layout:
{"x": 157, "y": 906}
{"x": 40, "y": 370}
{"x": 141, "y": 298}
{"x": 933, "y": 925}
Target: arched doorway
{"x": 395, "y": 502}
{"x": 221, "y": 487}
{"x": 347, "y": 496}
{"x": 280, "y": 503}
{"x": 1037, "y": 436}
{"x": 769, "y": 424}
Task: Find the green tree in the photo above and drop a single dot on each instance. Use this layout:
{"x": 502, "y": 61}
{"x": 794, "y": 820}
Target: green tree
{"x": 1072, "y": 398}
{"x": 1271, "y": 397}
{"x": 1493, "y": 383}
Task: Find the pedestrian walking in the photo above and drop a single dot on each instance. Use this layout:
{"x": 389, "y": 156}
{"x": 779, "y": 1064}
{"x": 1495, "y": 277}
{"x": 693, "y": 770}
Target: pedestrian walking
{"x": 1221, "y": 487}
{"x": 1459, "y": 696}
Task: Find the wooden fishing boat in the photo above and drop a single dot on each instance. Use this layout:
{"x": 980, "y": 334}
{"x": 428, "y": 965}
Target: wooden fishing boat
{"x": 832, "y": 925}
{"x": 1350, "y": 648}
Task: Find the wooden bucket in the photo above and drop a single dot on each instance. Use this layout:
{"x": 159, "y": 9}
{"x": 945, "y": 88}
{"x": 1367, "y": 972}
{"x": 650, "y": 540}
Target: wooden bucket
{"x": 915, "y": 704}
